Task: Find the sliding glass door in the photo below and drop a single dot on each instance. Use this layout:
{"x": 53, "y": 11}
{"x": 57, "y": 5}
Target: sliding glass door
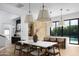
{"x": 73, "y": 31}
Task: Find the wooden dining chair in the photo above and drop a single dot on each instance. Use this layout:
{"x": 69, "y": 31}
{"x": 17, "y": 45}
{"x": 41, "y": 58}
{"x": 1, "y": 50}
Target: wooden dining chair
{"x": 25, "y": 50}
{"x": 46, "y": 38}
{"x": 37, "y": 52}
{"x": 17, "y": 47}
{"x": 53, "y": 39}
{"x": 55, "y": 50}
{"x": 61, "y": 42}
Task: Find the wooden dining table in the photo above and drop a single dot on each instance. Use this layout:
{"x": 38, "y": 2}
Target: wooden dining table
{"x": 41, "y": 44}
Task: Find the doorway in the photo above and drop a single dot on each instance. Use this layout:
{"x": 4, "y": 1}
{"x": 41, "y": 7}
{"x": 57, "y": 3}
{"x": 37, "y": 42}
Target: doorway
{"x": 7, "y": 33}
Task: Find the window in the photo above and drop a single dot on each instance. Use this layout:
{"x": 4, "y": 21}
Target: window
{"x": 70, "y": 29}
{"x": 74, "y": 31}
{"x": 53, "y": 26}
{"x": 66, "y": 23}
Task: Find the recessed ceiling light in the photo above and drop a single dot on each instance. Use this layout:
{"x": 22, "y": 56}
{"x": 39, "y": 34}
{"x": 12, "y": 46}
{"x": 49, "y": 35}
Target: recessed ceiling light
{"x": 67, "y": 9}
{"x": 19, "y": 5}
{"x": 50, "y": 12}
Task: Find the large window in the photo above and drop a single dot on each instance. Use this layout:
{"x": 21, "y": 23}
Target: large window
{"x": 66, "y": 23}
{"x": 56, "y": 29}
{"x": 70, "y": 29}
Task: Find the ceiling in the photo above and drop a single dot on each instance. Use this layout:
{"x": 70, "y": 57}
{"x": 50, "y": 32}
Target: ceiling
{"x": 20, "y": 9}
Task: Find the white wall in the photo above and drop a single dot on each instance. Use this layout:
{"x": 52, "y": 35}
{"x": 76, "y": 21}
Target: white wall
{"x": 6, "y": 22}
{"x": 2, "y": 42}
{"x": 24, "y": 29}
{"x": 5, "y": 19}
{"x": 69, "y": 16}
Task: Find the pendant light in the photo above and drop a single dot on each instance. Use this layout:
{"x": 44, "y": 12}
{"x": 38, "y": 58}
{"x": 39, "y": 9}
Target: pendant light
{"x": 61, "y": 22}
{"x": 43, "y": 14}
{"x": 29, "y": 17}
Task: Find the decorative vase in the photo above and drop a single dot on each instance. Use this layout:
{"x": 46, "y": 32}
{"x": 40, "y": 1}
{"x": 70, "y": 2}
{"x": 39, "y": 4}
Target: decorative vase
{"x": 35, "y": 38}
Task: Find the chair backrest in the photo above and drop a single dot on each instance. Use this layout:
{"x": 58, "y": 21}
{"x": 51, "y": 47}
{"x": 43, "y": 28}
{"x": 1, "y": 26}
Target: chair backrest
{"x": 53, "y": 39}
{"x": 46, "y": 38}
{"x": 60, "y": 39}
{"x": 18, "y": 44}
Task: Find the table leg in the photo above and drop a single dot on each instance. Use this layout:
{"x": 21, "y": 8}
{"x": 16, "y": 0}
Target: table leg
{"x": 38, "y": 51}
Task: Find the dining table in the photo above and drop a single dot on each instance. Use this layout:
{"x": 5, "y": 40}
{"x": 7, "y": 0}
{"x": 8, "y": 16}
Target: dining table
{"x": 42, "y": 44}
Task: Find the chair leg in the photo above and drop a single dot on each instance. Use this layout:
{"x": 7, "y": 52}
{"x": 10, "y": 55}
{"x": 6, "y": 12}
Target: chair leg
{"x": 59, "y": 54}
{"x": 20, "y": 51}
{"x": 38, "y": 51}
{"x": 15, "y": 49}
{"x": 54, "y": 51}
{"x": 59, "y": 51}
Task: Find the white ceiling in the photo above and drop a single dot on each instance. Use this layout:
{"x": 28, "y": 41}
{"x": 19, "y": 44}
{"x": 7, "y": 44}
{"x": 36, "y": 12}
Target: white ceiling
{"x": 53, "y": 8}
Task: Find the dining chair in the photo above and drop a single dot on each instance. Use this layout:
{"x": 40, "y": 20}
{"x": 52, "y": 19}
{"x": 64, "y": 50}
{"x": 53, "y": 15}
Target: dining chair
{"x": 61, "y": 42}
{"x": 55, "y": 50}
{"x": 46, "y": 38}
{"x": 25, "y": 50}
{"x": 17, "y": 48}
{"x": 37, "y": 52}
{"x": 53, "y": 39}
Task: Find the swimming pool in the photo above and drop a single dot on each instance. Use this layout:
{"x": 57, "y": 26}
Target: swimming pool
{"x": 74, "y": 40}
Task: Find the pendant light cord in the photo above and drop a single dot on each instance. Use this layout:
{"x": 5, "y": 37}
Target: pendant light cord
{"x": 43, "y": 9}
{"x": 29, "y": 9}
{"x": 61, "y": 13}
{"x": 61, "y": 16}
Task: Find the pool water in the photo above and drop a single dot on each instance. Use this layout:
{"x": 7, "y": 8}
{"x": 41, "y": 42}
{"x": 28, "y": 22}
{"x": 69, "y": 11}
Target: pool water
{"x": 74, "y": 40}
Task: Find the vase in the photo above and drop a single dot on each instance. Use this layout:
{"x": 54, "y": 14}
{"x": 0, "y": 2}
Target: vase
{"x": 35, "y": 38}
